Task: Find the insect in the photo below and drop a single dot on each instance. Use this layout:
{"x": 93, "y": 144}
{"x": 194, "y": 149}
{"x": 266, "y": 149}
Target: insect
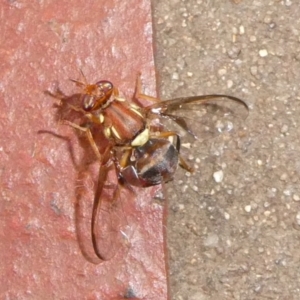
{"x": 138, "y": 147}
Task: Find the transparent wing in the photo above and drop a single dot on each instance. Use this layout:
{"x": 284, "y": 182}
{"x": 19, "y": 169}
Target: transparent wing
{"x": 200, "y": 117}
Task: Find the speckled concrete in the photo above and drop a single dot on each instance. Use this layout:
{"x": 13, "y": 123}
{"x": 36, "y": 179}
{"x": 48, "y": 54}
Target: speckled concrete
{"x": 239, "y": 238}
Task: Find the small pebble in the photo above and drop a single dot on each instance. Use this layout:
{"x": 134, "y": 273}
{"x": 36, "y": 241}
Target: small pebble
{"x": 229, "y": 243}
{"x": 186, "y": 145}
{"x": 248, "y": 208}
{"x": 242, "y": 30}
{"x": 175, "y": 76}
{"x": 298, "y": 218}
{"x": 288, "y": 2}
{"x": 263, "y": 53}
{"x": 284, "y": 129}
{"x": 218, "y": 176}
{"x": 181, "y": 206}
{"x": 222, "y": 72}
{"x": 195, "y": 188}
{"x": 267, "y": 213}
{"x": 226, "y": 215}
{"x": 296, "y": 197}
{"x": 229, "y": 84}
{"x": 261, "y": 249}
{"x": 283, "y": 177}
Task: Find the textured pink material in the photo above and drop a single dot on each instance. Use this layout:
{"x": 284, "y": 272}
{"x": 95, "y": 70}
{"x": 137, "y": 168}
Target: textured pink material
{"x": 43, "y": 43}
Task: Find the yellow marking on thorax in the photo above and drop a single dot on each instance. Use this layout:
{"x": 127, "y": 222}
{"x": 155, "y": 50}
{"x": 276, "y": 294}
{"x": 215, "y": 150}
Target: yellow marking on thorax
{"x": 120, "y": 99}
{"x": 107, "y": 132}
{"x": 115, "y": 132}
{"x": 141, "y": 139}
{"x": 101, "y": 118}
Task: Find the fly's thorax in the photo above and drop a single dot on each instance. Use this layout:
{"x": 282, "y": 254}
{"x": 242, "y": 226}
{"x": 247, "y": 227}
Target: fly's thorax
{"x": 124, "y": 123}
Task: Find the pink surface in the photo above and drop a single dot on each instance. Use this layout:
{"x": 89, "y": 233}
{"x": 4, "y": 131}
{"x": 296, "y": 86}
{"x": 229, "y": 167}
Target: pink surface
{"x": 44, "y": 223}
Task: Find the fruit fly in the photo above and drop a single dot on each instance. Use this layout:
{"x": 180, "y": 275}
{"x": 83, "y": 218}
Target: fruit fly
{"x": 138, "y": 147}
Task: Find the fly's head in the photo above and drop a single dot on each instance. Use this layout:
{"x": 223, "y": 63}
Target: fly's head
{"x": 96, "y": 96}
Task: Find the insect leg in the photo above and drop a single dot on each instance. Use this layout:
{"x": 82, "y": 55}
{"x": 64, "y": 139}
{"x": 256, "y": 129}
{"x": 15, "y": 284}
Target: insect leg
{"x": 103, "y": 171}
{"x": 58, "y": 95}
{"x": 107, "y": 236}
{"x": 138, "y": 94}
{"x": 166, "y": 134}
{"x": 124, "y": 159}
{"x": 91, "y": 117}
{"x": 183, "y": 164}
{"x": 89, "y": 137}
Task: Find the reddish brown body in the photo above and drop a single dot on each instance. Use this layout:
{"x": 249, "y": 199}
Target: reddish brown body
{"x": 117, "y": 115}
{"x": 138, "y": 150}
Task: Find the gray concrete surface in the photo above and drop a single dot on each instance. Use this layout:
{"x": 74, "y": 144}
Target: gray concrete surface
{"x": 238, "y": 238}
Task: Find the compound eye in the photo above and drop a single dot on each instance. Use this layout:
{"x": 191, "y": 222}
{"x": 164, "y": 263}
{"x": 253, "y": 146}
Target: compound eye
{"x": 105, "y": 86}
{"x": 88, "y": 102}
{"x": 96, "y": 95}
